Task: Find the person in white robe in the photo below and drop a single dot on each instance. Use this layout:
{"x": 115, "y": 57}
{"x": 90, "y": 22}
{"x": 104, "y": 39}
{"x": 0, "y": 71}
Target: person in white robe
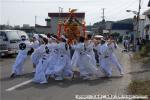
{"x": 40, "y": 72}
{"x": 24, "y": 46}
{"x": 63, "y": 65}
{"x": 89, "y": 48}
{"x": 53, "y": 57}
{"x": 113, "y": 60}
{"x": 84, "y": 62}
{"x": 35, "y": 55}
{"x": 103, "y": 52}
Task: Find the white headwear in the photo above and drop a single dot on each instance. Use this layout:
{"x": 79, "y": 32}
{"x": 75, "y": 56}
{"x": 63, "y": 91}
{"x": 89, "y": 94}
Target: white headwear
{"x": 36, "y": 36}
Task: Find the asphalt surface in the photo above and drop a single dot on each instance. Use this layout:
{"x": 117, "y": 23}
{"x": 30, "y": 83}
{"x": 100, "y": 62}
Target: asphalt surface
{"x": 61, "y": 90}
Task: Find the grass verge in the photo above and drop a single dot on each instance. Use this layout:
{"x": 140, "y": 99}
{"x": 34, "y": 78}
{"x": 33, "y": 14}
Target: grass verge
{"x": 138, "y": 87}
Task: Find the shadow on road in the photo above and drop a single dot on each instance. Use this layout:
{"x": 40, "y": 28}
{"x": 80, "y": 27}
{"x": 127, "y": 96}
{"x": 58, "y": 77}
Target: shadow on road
{"x": 141, "y": 71}
{"x": 8, "y": 57}
{"x": 27, "y": 75}
{"x": 68, "y": 83}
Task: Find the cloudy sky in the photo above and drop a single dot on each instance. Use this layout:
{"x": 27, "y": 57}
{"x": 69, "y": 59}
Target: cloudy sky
{"x": 19, "y": 12}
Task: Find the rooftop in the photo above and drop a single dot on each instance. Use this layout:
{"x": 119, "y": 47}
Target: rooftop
{"x": 122, "y": 26}
{"x": 55, "y": 14}
{"x": 36, "y": 25}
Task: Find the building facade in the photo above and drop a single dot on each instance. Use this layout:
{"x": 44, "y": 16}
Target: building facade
{"x": 121, "y": 28}
{"x": 141, "y": 33}
{"x": 147, "y": 24}
{"x": 61, "y": 17}
{"x": 42, "y": 29}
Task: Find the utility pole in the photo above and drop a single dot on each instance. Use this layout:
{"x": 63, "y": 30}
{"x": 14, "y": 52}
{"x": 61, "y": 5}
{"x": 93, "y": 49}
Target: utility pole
{"x": 35, "y": 23}
{"x": 8, "y": 22}
{"x": 103, "y": 19}
{"x": 103, "y": 16}
{"x": 137, "y": 23}
{"x": 35, "y": 20}
{"x": 138, "y": 18}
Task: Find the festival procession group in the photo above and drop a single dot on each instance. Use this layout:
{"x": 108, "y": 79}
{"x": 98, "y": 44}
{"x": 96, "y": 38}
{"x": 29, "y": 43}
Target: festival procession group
{"x": 54, "y": 58}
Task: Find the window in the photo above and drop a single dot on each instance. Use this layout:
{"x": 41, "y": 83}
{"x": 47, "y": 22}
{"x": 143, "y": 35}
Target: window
{"x": 12, "y": 35}
{"x": 3, "y": 36}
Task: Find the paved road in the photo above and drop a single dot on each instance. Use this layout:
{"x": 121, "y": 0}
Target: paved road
{"x": 64, "y": 90}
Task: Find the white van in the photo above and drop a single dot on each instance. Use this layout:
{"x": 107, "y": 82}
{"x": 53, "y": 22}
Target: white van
{"x": 9, "y": 40}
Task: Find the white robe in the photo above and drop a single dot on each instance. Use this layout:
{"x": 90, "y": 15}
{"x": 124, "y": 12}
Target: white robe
{"x": 35, "y": 44}
{"x": 17, "y": 68}
{"x": 74, "y": 59}
{"x": 84, "y": 61}
{"x": 37, "y": 54}
{"x": 40, "y": 73}
{"x": 53, "y": 57}
{"x": 113, "y": 59}
{"x": 103, "y": 52}
{"x": 63, "y": 64}
{"x": 89, "y": 50}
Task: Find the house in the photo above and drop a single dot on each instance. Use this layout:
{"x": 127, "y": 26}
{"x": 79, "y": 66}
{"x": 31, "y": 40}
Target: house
{"x": 141, "y": 26}
{"x": 115, "y": 27}
{"x": 43, "y": 29}
{"x": 147, "y": 24}
{"x": 57, "y": 17}
{"x": 98, "y": 28}
{"x": 121, "y": 28}
{"x": 53, "y": 21}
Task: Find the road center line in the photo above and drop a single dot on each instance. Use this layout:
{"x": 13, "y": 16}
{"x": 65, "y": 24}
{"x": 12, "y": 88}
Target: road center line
{"x": 19, "y": 85}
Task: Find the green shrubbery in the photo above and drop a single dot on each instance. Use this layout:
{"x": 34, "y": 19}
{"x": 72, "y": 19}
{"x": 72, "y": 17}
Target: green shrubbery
{"x": 145, "y": 50}
{"x": 120, "y": 39}
{"x": 138, "y": 87}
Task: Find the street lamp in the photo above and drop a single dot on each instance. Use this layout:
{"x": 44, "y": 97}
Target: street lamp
{"x": 136, "y": 23}
{"x": 137, "y": 13}
{"x": 137, "y": 17}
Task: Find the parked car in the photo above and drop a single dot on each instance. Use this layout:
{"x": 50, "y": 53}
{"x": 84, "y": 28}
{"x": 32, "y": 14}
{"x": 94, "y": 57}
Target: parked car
{"x": 9, "y": 40}
{"x": 3, "y": 48}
